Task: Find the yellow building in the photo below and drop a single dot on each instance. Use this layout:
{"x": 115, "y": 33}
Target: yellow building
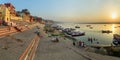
{"x": 4, "y": 13}
{"x": 26, "y": 17}
{"x": 11, "y": 8}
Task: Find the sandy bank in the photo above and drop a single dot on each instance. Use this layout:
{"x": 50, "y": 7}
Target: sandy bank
{"x": 64, "y": 50}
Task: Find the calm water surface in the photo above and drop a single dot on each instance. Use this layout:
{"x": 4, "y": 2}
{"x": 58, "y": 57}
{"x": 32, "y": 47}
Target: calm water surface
{"x": 95, "y": 33}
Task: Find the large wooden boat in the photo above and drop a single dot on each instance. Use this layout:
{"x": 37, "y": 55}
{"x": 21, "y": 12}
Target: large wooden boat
{"x": 116, "y": 39}
{"x": 106, "y": 31}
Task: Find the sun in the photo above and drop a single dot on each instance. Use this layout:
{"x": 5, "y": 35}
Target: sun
{"x": 114, "y": 15}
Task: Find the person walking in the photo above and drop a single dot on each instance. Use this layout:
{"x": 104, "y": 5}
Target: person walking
{"x": 73, "y": 43}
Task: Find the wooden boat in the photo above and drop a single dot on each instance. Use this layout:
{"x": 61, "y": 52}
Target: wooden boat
{"x": 88, "y": 25}
{"x": 68, "y": 30}
{"x": 91, "y": 27}
{"x": 116, "y": 39}
{"x": 106, "y": 31}
{"x": 77, "y": 27}
{"x": 73, "y": 34}
{"x": 118, "y": 26}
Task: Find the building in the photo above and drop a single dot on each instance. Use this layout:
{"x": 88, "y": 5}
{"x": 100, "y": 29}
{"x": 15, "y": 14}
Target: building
{"x": 31, "y": 18}
{"x": 25, "y": 15}
{"x": 8, "y": 13}
{"x": 4, "y": 13}
{"x": 11, "y": 9}
{"x": 48, "y": 22}
{"x": 13, "y": 13}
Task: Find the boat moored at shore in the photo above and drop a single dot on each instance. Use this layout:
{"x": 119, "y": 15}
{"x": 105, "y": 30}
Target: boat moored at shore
{"x": 106, "y": 31}
{"x": 72, "y": 32}
{"x": 77, "y": 27}
{"x": 116, "y": 39}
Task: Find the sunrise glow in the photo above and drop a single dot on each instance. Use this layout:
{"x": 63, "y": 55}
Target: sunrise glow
{"x": 114, "y": 15}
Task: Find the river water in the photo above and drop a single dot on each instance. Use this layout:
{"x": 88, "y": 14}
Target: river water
{"x": 98, "y": 38}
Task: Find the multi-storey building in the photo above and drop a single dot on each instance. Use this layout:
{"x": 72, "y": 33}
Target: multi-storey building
{"x": 11, "y": 9}
{"x": 4, "y": 13}
{"x": 31, "y": 18}
{"x": 26, "y": 15}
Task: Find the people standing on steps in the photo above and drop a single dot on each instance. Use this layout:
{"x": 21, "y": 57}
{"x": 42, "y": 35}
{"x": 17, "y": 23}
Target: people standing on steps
{"x": 92, "y": 40}
{"x": 38, "y": 31}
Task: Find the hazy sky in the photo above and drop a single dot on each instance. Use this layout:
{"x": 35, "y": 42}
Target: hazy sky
{"x": 71, "y": 10}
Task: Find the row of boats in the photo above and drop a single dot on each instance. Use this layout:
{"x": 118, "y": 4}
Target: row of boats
{"x": 70, "y": 31}
{"x": 106, "y": 31}
{"x": 73, "y": 32}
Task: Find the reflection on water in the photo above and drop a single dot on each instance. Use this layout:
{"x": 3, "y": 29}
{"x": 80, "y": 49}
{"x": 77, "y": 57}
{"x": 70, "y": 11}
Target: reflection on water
{"x": 113, "y": 28}
{"x": 96, "y": 33}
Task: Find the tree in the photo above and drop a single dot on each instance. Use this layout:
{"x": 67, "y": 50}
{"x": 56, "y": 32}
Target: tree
{"x": 18, "y": 13}
{"x": 26, "y": 11}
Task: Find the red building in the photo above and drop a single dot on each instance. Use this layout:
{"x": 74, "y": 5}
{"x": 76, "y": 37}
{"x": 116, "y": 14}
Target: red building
{"x": 39, "y": 19}
{"x": 31, "y": 18}
{"x": 11, "y": 9}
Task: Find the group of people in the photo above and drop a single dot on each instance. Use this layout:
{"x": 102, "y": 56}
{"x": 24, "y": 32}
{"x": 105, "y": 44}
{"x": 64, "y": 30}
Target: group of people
{"x": 79, "y": 43}
{"x": 82, "y": 44}
{"x": 38, "y": 31}
{"x": 92, "y": 40}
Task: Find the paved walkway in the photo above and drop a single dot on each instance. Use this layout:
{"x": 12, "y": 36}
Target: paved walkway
{"x": 12, "y": 46}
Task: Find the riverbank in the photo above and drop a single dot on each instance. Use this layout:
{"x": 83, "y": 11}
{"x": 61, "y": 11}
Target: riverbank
{"x": 97, "y": 44}
{"x": 48, "y": 50}
{"x": 64, "y": 50}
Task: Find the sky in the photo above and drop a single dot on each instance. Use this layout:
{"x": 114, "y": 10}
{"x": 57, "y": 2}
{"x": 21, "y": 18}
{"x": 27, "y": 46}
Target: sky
{"x": 71, "y": 10}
